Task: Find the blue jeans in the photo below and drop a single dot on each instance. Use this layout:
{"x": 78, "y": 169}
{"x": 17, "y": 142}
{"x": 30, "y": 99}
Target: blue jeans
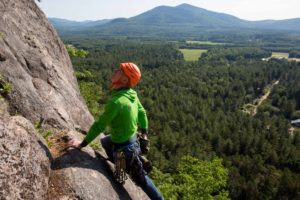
{"x": 135, "y": 166}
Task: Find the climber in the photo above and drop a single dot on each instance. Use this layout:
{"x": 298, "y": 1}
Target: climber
{"x": 123, "y": 114}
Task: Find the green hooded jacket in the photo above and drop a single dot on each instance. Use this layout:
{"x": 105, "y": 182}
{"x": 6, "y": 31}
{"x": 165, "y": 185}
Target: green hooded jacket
{"x": 123, "y": 114}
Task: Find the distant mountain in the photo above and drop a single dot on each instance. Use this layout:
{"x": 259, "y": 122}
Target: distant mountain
{"x": 181, "y": 21}
{"x": 74, "y": 25}
{"x": 287, "y": 24}
{"x": 186, "y": 14}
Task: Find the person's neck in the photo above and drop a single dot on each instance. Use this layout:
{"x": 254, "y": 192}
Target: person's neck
{"x": 120, "y": 87}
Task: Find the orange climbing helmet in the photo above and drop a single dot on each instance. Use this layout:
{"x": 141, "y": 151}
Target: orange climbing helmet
{"x": 132, "y": 72}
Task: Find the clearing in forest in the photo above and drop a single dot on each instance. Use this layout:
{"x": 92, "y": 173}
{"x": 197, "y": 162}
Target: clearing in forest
{"x": 280, "y": 55}
{"x": 204, "y": 42}
{"x": 192, "y": 54}
{"x": 252, "y": 108}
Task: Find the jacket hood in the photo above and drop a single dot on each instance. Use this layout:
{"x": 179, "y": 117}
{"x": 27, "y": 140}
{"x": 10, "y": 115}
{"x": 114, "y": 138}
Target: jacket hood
{"x": 128, "y": 93}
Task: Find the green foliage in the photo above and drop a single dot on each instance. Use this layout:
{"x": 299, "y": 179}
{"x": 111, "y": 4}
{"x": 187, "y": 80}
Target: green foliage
{"x": 164, "y": 182}
{"x": 289, "y": 186}
{"x": 5, "y": 87}
{"x": 2, "y": 34}
{"x": 45, "y": 133}
{"x": 296, "y": 115}
{"x": 195, "y": 109}
{"x": 95, "y": 145}
{"x": 91, "y": 93}
{"x": 74, "y": 52}
{"x": 294, "y": 54}
{"x": 225, "y": 55}
{"x": 194, "y": 179}
{"x": 84, "y": 75}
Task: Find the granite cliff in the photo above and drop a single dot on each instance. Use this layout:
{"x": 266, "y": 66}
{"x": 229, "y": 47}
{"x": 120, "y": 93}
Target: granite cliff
{"x": 44, "y": 93}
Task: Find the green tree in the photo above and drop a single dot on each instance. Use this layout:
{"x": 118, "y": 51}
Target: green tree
{"x": 74, "y": 52}
{"x": 195, "y": 179}
{"x": 91, "y": 93}
{"x": 195, "y": 109}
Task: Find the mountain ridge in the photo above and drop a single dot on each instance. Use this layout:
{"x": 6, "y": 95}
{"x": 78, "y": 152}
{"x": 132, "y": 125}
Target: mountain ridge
{"x": 183, "y": 19}
{"x": 65, "y": 23}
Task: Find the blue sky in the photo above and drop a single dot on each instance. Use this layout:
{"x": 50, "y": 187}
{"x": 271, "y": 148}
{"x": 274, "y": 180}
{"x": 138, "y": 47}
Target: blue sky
{"x": 80, "y": 10}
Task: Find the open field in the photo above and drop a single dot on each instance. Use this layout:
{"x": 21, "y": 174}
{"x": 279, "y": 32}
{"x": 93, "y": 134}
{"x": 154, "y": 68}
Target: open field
{"x": 192, "y": 54}
{"x": 204, "y": 42}
{"x": 280, "y": 55}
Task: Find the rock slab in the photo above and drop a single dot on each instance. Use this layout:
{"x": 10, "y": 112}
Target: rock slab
{"x": 24, "y": 163}
{"x": 84, "y": 174}
{"x": 35, "y": 62}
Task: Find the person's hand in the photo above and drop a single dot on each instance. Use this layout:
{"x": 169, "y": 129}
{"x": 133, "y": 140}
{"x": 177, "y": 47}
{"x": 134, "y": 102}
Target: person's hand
{"x": 74, "y": 143}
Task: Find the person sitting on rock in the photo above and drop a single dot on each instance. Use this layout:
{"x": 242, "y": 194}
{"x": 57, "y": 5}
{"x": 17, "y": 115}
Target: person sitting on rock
{"x": 123, "y": 114}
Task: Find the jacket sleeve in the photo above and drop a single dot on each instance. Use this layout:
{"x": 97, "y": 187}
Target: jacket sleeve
{"x": 142, "y": 116}
{"x": 110, "y": 111}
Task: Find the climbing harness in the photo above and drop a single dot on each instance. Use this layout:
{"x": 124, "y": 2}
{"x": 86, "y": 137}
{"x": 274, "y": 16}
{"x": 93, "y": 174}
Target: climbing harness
{"x": 127, "y": 158}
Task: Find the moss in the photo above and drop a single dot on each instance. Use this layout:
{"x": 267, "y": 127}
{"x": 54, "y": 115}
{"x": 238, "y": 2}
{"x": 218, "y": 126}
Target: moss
{"x": 95, "y": 145}
{"x": 5, "y": 87}
{"x": 2, "y": 34}
{"x": 49, "y": 143}
{"x": 45, "y": 133}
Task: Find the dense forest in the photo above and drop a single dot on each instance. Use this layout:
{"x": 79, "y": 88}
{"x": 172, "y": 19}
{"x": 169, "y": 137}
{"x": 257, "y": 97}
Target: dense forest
{"x": 195, "y": 112}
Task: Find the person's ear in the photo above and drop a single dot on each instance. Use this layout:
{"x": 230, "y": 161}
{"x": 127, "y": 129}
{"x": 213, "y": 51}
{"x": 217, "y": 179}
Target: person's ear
{"x": 125, "y": 80}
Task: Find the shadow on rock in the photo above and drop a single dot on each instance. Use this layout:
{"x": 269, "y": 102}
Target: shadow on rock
{"x": 87, "y": 170}
{"x": 47, "y": 152}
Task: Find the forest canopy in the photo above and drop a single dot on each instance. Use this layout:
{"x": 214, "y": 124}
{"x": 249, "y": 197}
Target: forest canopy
{"x": 196, "y": 116}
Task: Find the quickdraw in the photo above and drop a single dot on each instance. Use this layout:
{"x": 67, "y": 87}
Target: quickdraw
{"x": 120, "y": 167}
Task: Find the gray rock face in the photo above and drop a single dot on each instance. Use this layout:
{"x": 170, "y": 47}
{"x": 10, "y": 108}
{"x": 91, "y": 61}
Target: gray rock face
{"x": 85, "y": 175}
{"x": 36, "y": 63}
{"x": 24, "y": 165}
